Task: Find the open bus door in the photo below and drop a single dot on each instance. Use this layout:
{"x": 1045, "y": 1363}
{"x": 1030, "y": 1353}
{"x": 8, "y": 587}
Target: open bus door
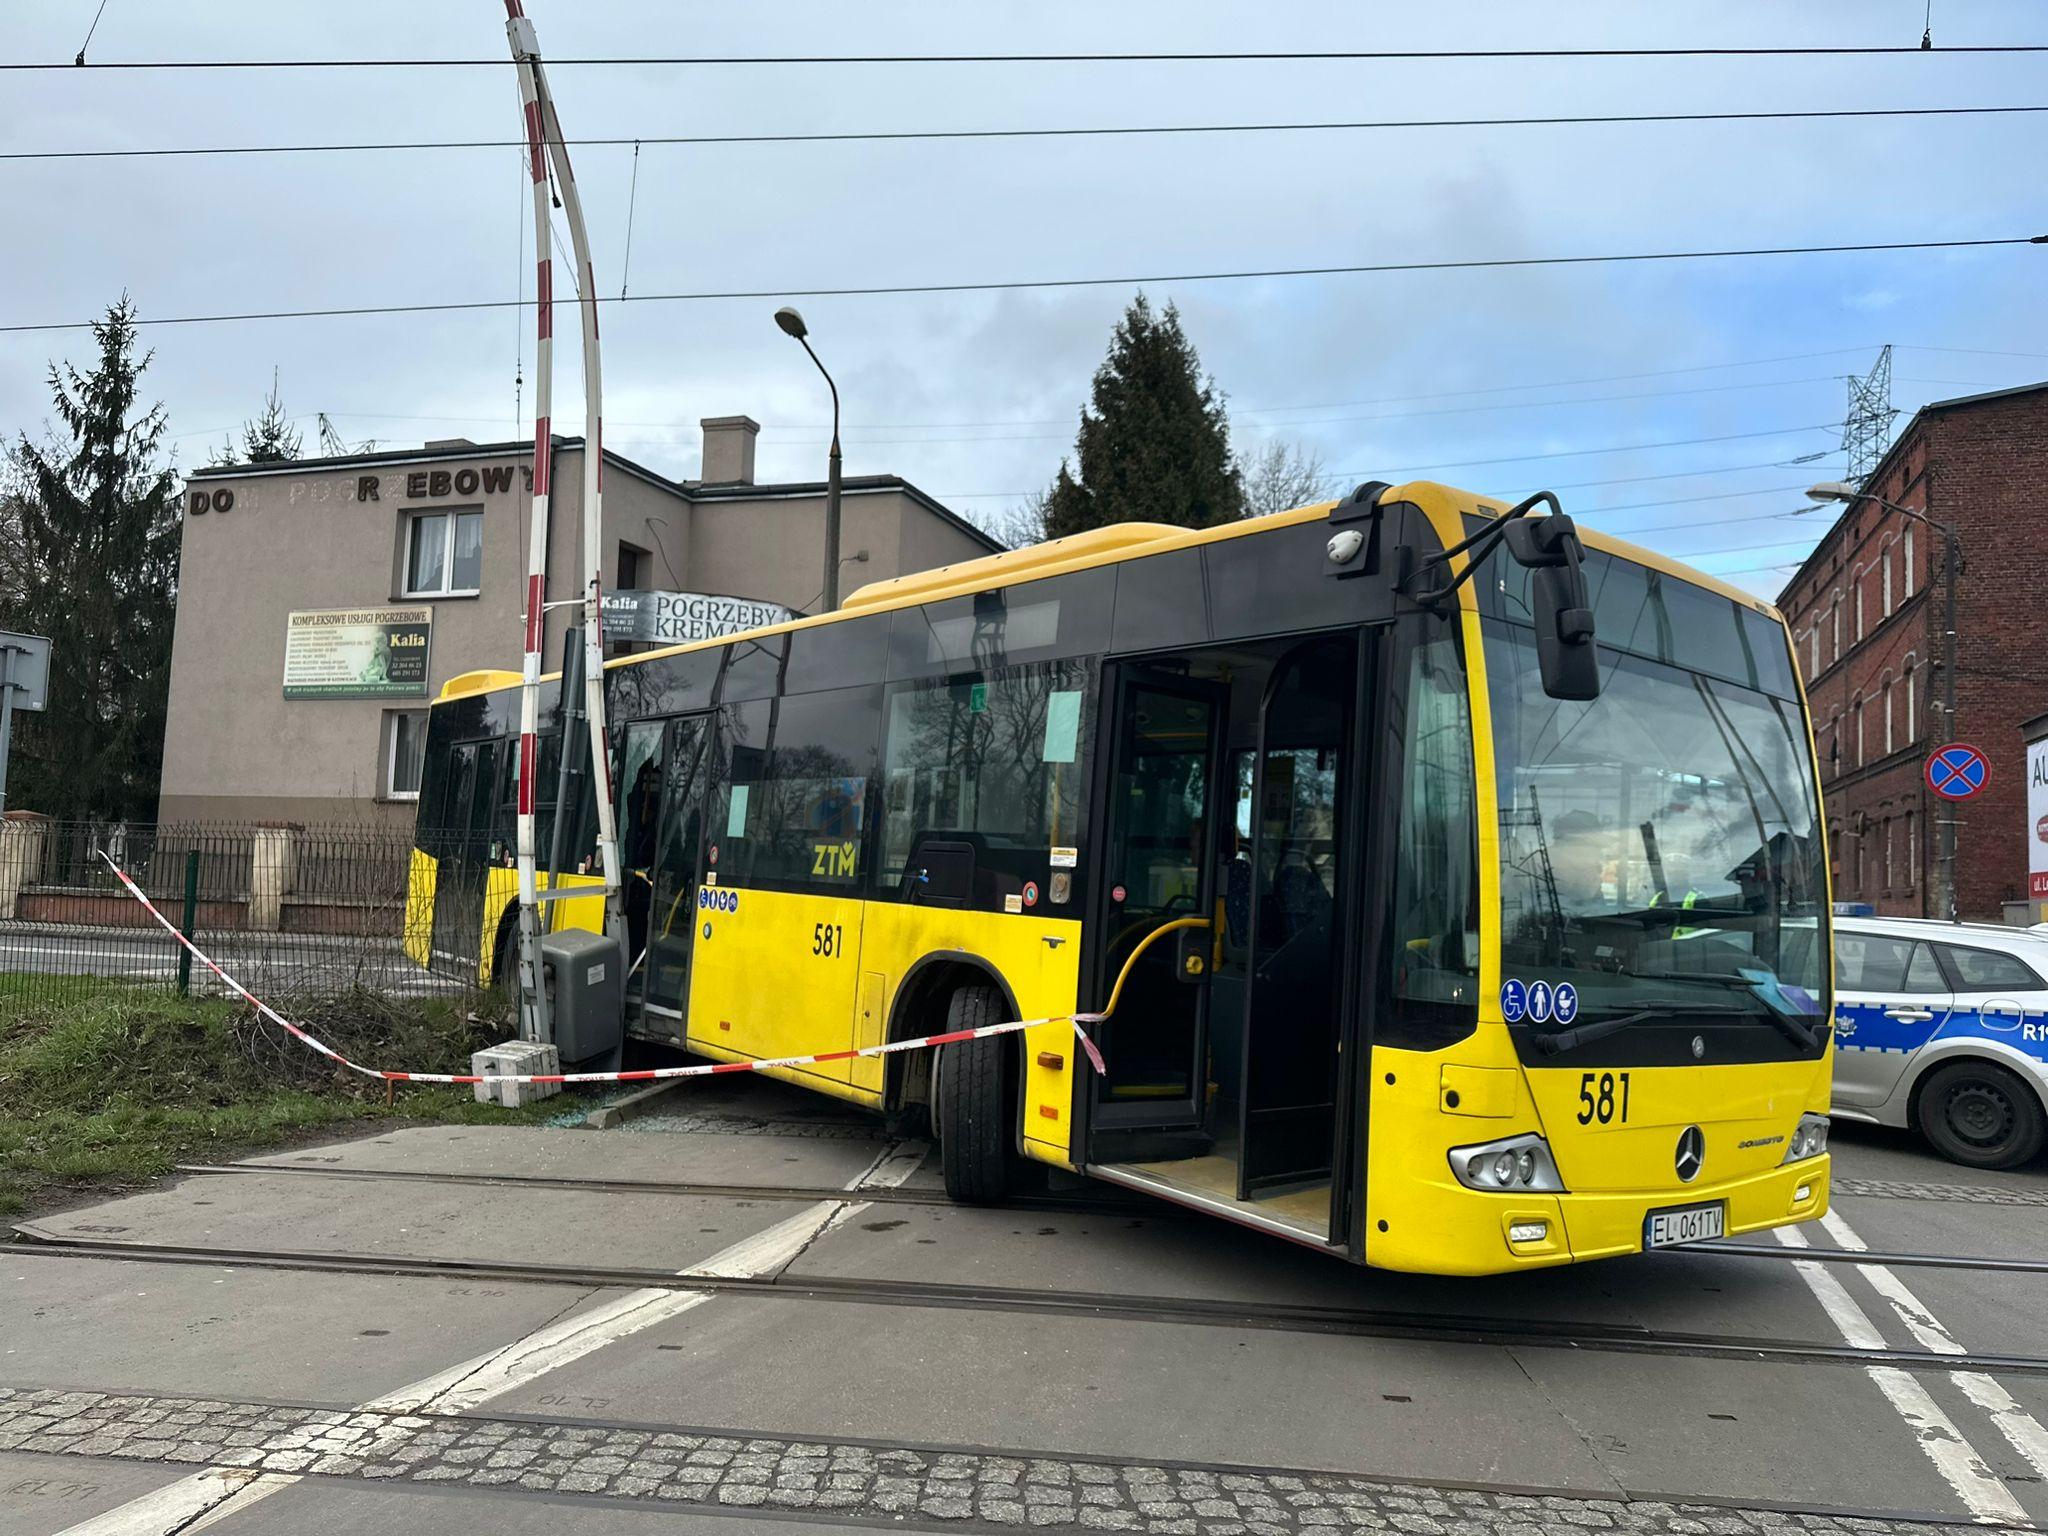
{"x": 1161, "y": 838}
{"x": 1228, "y": 809}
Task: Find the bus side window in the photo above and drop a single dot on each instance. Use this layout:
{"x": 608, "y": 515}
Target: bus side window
{"x": 791, "y": 810}
{"x": 995, "y": 760}
{"x": 639, "y": 789}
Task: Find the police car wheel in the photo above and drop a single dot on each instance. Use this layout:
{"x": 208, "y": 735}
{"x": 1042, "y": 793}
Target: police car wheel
{"x": 1981, "y": 1115}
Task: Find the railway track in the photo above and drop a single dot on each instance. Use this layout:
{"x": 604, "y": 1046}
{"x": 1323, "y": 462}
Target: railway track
{"x": 1364, "y": 1322}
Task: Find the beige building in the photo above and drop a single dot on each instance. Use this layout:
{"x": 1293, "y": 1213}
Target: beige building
{"x": 323, "y": 602}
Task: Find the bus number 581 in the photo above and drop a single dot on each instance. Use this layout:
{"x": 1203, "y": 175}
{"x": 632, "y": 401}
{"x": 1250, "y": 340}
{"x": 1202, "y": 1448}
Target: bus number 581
{"x": 1597, "y": 1098}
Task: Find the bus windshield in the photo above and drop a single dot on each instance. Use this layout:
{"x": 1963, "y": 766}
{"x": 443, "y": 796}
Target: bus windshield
{"x": 1660, "y": 846}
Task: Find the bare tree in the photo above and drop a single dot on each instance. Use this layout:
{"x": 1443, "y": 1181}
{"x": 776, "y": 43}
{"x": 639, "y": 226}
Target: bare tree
{"x": 1281, "y": 476}
{"x": 1018, "y": 525}
{"x": 13, "y": 545}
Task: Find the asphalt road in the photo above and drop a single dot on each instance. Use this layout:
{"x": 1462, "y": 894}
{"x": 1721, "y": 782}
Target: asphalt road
{"x": 256, "y": 960}
{"x": 354, "y": 1338}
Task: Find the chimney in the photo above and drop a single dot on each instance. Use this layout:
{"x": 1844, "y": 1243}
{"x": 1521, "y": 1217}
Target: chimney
{"x": 729, "y": 449}
{"x": 446, "y": 444}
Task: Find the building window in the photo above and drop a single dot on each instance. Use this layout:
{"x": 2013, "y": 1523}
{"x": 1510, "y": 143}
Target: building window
{"x": 1888, "y": 853}
{"x": 1912, "y": 722}
{"x": 1859, "y": 607}
{"x": 405, "y": 749}
{"x": 1813, "y": 648}
{"x": 1859, "y": 733}
{"x": 632, "y": 568}
{"x": 1912, "y": 849}
{"x": 444, "y": 554}
{"x": 1890, "y": 745}
{"x": 1887, "y": 583}
{"x": 1912, "y": 576}
{"x": 1837, "y": 620}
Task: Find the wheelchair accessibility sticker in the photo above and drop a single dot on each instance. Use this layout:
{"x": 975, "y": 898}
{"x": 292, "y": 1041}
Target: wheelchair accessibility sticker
{"x": 1538, "y": 1001}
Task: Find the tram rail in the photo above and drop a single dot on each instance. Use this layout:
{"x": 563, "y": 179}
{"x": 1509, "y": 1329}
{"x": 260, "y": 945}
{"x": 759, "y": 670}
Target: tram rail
{"x": 1082, "y": 1205}
{"x": 1194, "y": 1312}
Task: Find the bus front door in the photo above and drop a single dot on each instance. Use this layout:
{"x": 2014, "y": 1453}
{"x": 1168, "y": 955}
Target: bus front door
{"x": 1166, "y": 794}
{"x": 676, "y": 875}
{"x": 1292, "y": 910}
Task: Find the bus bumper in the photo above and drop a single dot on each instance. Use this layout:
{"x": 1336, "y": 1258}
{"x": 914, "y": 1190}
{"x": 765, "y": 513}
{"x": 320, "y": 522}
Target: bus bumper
{"x": 1478, "y": 1233}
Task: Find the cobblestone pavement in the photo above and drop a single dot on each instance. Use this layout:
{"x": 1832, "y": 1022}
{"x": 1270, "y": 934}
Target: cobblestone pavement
{"x": 849, "y": 1481}
{"x": 1962, "y": 1194}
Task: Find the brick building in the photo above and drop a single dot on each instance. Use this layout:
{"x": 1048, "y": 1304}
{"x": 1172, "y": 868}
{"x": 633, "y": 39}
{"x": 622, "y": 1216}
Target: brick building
{"x": 1867, "y": 613}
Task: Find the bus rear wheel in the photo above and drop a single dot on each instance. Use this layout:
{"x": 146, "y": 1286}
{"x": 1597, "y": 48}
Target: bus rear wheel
{"x": 973, "y": 1106}
{"x": 1981, "y": 1116}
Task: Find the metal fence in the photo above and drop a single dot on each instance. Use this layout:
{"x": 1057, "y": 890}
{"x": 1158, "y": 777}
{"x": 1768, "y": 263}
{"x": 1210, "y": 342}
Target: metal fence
{"x": 290, "y": 911}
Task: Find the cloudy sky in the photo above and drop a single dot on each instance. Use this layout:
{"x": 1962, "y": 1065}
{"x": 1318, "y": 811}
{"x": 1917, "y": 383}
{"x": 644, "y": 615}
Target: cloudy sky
{"x": 1503, "y": 381}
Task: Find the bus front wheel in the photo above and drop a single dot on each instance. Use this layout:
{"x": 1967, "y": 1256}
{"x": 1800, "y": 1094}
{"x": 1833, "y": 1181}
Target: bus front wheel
{"x": 973, "y": 1106}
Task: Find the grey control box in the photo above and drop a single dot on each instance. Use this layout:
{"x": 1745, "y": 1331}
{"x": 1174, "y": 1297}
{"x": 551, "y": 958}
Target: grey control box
{"x": 585, "y": 974}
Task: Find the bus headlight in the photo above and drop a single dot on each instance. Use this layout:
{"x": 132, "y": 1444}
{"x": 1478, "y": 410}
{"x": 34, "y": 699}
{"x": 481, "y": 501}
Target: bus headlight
{"x": 1809, "y": 1139}
{"x": 1515, "y": 1164}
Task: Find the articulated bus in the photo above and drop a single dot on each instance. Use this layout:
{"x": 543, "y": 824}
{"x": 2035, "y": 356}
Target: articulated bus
{"x": 1462, "y": 879}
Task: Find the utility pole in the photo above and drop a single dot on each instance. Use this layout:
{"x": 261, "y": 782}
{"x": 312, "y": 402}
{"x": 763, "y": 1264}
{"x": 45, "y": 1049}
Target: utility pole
{"x": 792, "y": 324}
{"x": 1951, "y": 569}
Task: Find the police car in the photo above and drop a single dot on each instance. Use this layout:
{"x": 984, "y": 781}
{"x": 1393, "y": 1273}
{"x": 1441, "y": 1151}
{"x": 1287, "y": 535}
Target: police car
{"x": 1943, "y": 1028}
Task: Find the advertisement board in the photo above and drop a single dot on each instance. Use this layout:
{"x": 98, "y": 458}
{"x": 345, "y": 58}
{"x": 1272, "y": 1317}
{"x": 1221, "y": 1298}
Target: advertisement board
{"x": 2037, "y": 819}
{"x": 676, "y": 618}
{"x": 358, "y": 653}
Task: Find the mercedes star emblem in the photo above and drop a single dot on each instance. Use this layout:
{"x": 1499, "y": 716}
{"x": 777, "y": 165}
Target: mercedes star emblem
{"x": 1692, "y": 1152}
{"x": 1699, "y": 1047}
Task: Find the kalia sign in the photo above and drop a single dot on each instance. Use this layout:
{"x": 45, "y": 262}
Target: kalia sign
{"x": 676, "y": 618}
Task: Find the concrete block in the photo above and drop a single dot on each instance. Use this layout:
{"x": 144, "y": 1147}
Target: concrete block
{"x": 515, "y": 1058}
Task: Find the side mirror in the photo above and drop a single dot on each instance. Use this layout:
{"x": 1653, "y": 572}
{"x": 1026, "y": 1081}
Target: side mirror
{"x": 1549, "y": 547}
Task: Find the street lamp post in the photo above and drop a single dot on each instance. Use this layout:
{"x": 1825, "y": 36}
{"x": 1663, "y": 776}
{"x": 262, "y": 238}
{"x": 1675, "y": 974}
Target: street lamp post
{"x": 1836, "y": 491}
{"x": 792, "y": 324}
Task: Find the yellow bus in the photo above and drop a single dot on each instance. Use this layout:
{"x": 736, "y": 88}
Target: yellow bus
{"x": 1464, "y": 878}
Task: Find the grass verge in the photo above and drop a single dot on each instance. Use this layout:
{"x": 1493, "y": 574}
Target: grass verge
{"x": 111, "y": 1087}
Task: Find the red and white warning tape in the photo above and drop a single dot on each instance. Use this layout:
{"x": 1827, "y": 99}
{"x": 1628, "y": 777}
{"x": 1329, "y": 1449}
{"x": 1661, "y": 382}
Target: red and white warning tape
{"x": 952, "y": 1037}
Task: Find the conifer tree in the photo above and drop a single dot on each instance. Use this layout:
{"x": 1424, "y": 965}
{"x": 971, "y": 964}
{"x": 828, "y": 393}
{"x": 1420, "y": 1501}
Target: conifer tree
{"x": 98, "y": 516}
{"x": 1154, "y": 442}
{"x": 269, "y": 439}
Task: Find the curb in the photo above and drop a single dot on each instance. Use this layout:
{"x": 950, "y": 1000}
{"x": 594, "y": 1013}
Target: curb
{"x": 631, "y": 1107}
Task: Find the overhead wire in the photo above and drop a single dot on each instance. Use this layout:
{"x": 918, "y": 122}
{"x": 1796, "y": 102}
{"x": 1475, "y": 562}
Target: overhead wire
{"x": 79, "y": 62}
{"x": 152, "y": 152}
{"x": 1471, "y": 264}
{"x": 1221, "y": 56}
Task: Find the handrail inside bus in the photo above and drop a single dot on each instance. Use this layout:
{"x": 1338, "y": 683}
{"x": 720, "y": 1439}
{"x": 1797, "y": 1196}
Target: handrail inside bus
{"x": 1144, "y": 944}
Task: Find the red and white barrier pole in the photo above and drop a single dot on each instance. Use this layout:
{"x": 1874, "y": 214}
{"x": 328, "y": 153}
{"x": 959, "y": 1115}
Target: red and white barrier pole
{"x": 533, "y": 1017}
{"x": 546, "y": 125}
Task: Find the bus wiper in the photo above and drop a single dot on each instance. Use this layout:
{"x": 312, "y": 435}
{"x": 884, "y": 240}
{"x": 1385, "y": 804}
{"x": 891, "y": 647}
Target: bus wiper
{"x": 1786, "y": 1022}
{"x": 1557, "y": 1041}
